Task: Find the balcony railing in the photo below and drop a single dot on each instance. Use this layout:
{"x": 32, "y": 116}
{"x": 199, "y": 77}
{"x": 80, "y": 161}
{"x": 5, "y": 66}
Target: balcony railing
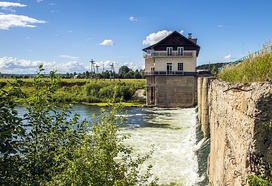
{"x": 163, "y": 73}
{"x": 167, "y": 54}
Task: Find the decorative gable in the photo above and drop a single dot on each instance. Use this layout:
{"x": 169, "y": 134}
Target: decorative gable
{"x": 175, "y": 40}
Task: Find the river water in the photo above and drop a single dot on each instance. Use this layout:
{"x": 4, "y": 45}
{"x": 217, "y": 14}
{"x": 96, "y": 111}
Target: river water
{"x": 179, "y": 151}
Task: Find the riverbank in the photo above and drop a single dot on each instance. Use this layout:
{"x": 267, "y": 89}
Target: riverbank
{"x": 91, "y": 92}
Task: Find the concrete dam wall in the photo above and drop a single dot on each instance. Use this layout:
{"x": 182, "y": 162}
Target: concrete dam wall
{"x": 238, "y": 120}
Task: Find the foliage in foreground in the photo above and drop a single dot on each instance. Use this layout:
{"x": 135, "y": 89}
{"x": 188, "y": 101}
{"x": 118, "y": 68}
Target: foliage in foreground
{"x": 254, "y": 69}
{"x": 258, "y": 181}
{"x": 45, "y": 147}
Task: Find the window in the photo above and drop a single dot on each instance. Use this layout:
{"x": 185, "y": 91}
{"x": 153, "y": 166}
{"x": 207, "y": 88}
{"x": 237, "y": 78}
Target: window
{"x": 180, "y": 51}
{"x": 180, "y": 66}
{"x": 169, "y": 68}
{"x": 169, "y": 51}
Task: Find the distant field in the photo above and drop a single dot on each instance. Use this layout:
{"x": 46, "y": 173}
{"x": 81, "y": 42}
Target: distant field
{"x": 86, "y": 90}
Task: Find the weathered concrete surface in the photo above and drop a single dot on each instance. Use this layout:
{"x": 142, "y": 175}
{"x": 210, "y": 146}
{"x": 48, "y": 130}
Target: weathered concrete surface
{"x": 240, "y": 121}
{"x": 172, "y": 91}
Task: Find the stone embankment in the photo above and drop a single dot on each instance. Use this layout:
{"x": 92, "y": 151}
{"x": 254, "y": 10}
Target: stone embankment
{"x": 238, "y": 120}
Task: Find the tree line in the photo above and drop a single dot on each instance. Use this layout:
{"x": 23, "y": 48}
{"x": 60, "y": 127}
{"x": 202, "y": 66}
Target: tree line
{"x": 123, "y": 72}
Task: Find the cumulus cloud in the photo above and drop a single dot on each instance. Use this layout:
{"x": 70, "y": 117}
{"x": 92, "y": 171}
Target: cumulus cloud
{"x": 13, "y": 65}
{"x": 68, "y": 57}
{"x": 156, "y": 37}
{"x": 20, "y": 66}
{"x": 131, "y": 18}
{"x": 71, "y": 66}
{"x": 12, "y": 20}
{"x": 228, "y": 57}
{"x": 134, "y": 66}
{"x": 8, "y": 6}
{"x": 106, "y": 42}
{"x": 11, "y": 4}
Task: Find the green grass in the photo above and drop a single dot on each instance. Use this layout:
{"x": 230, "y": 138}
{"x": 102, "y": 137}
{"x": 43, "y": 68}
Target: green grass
{"x": 255, "y": 69}
{"x": 86, "y": 90}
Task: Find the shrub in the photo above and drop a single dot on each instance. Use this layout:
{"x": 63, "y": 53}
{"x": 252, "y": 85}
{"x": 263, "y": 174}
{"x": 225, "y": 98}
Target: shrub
{"x": 46, "y": 148}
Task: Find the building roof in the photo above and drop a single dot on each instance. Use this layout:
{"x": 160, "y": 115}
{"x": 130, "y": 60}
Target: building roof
{"x": 175, "y": 39}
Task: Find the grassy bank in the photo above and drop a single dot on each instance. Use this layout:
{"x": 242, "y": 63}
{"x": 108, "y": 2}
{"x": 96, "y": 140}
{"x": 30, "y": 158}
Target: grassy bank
{"x": 88, "y": 91}
{"x": 254, "y": 69}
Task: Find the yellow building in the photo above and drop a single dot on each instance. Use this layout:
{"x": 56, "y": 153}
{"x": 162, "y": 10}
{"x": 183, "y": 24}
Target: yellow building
{"x": 170, "y": 71}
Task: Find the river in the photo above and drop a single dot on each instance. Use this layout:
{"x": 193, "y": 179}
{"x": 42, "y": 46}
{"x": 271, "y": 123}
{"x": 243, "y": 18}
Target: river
{"x": 179, "y": 152}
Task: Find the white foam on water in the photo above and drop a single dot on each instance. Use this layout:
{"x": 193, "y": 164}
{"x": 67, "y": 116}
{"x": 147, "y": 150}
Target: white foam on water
{"x": 174, "y": 159}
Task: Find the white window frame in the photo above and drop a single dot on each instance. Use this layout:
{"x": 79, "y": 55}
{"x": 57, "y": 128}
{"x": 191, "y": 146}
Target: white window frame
{"x": 180, "y": 51}
{"x": 169, "y": 68}
{"x": 169, "y": 51}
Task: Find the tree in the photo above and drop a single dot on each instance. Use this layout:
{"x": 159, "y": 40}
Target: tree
{"x": 122, "y": 71}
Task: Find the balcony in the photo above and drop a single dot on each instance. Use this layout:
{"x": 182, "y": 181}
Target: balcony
{"x": 163, "y": 73}
{"x": 167, "y": 54}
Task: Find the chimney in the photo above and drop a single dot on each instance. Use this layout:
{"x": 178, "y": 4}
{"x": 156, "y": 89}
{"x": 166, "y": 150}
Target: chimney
{"x": 192, "y": 39}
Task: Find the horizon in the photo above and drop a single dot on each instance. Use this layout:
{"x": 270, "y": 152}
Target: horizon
{"x": 66, "y": 36}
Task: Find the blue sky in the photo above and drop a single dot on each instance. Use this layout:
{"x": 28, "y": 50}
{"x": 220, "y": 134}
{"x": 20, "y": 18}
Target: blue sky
{"x": 64, "y": 35}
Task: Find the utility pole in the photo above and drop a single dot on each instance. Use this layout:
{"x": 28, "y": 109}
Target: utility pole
{"x": 92, "y": 68}
{"x": 112, "y": 71}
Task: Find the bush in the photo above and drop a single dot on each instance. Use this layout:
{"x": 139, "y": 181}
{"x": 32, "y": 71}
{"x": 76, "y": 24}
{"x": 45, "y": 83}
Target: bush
{"x": 46, "y": 148}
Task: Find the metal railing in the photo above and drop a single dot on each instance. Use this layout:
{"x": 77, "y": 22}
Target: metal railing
{"x": 165, "y": 73}
{"x": 167, "y": 54}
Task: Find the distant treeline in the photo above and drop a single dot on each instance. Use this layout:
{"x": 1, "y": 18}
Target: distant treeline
{"x": 213, "y": 68}
{"x": 123, "y": 72}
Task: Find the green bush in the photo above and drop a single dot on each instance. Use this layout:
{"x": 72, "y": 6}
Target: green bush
{"x": 45, "y": 148}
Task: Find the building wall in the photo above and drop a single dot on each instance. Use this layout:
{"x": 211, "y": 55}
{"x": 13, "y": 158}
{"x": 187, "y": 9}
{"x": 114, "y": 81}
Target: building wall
{"x": 150, "y": 62}
{"x": 175, "y": 91}
{"x": 150, "y": 82}
{"x": 189, "y": 63}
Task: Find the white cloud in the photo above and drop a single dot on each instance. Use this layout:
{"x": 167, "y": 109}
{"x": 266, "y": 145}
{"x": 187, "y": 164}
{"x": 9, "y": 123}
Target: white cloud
{"x": 107, "y": 42}
{"x": 222, "y": 26}
{"x": 68, "y": 57}
{"x": 71, "y": 66}
{"x": 228, "y": 57}
{"x": 131, "y": 18}
{"x": 11, "y": 65}
{"x": 39, "y": 1}
{"x": 20, "y": 66}
{"x": 12, "y": 20}
{"x": 11, "y": 4}
{"x": 156, "y": 37}
{"x": 134, "y": 66}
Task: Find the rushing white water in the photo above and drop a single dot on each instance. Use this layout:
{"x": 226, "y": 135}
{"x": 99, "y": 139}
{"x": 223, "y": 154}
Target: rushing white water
{"x": 173, "y": 134}
{"x": 174, "y": 159}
